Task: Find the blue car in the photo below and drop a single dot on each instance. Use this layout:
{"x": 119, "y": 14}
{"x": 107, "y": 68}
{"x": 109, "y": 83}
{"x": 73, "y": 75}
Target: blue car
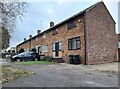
{"x": 26, "y": 56}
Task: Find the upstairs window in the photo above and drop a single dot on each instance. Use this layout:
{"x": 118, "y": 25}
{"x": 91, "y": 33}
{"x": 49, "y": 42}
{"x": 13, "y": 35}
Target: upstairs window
{"x": 55, "y": 31}
{"x": 37, "y": 38}
{"x": 71, "y": 24}
{"x": 44, "y": 35}
{"x": 74, "y": 43}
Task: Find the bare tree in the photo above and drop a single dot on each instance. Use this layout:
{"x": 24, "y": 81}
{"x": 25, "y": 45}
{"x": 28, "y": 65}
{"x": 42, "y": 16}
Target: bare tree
{"x": 9, "y": 12}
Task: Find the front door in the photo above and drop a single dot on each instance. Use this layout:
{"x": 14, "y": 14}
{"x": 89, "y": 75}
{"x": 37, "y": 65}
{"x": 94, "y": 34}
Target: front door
{"x": 39, "y": 50}
{"x": 57, "y": 49}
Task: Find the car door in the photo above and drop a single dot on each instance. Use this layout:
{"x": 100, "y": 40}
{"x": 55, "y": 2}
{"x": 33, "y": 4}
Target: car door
{"x": 27, "y": 56}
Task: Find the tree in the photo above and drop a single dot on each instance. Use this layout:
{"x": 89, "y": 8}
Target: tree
{"x": 5, "y": 38}
{"x": 9, "y": 12}
{"x": 21, "y": 50}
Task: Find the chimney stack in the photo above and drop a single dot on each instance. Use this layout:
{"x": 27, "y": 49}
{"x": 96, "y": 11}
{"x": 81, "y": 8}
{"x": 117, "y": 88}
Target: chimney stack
{"x": 38, "y": 32}
{"x": 30, "y": 36}
{"x": 24, "y": 39}
{"x": 51, "y": 24}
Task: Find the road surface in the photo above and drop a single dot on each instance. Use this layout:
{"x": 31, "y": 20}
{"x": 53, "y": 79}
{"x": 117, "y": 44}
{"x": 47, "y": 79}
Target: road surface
{"x": 62, "y": 75}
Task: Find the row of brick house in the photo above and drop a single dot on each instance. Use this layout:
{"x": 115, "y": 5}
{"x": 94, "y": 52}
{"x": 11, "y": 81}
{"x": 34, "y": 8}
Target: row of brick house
{"x": 119, "y": 47}
{"x": 88, "y": 36}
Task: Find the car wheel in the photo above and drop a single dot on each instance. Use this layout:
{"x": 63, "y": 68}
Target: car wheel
{"x": 18, "y": 59}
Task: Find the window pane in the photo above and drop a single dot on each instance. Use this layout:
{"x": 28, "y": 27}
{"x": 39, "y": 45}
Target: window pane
{"x": 69, "y": 44}
{"x": 60, "y": 45}
{"x": 55, "y": 31}
{"x": 53, "y": 47}
{"x": 45, "y": 48}
{"x": 44, "y": 35}
{"x": 78, "y": 38}
{"x": 74, "y": 44}
{"x": 78, "y": 44}
{"x": 71, "y": 24}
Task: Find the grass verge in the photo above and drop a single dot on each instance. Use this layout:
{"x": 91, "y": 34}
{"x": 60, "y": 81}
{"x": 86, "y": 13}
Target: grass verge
{"x": 9, "y": 73}
{"x": 34, "y": 63}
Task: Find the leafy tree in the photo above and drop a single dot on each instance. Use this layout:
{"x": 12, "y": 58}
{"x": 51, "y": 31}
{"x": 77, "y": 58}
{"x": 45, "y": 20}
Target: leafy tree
{"x": 5, "y": 38}
{"x": 21, "y": 50}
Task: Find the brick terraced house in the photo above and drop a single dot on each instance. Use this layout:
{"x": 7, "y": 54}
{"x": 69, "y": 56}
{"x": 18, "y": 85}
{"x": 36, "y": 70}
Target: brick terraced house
{"x": 88, "y": 37}
{"x": 119, "y": 47}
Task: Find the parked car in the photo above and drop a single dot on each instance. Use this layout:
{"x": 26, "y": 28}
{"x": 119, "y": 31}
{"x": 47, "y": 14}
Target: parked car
{"x": 26, "y": 56}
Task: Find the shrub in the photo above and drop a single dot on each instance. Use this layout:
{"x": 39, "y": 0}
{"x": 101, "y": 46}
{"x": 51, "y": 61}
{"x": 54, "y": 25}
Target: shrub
{"x": 47, "y": 58}
{"x": 21, "y": 50}
{"x": 33, "y": 50}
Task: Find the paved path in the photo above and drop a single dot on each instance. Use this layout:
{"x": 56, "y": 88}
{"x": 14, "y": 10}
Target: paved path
{"x": 2, "y": 61}
{"x": 62, "y": 75}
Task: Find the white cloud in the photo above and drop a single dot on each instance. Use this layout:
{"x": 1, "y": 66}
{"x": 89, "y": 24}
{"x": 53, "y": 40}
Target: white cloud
{"x": 60, "y": 2}
{"x": 50, "y": 11}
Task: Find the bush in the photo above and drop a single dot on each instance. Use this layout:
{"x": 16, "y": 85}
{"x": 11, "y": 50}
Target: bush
{"x": 33, "y": 50}
{"x": 21, "y": 50}
{"x": 47, "y": 58}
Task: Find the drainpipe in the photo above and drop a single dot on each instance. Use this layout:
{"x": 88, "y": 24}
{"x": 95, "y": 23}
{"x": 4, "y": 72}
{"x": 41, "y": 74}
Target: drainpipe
{"x": 85, "y": 38}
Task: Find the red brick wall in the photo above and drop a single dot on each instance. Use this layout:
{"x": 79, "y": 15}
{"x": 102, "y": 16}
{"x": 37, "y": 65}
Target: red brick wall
{"x": 101, "y": 39}
{"x": 63, "y": 35}
{"x": 119, "y": 37}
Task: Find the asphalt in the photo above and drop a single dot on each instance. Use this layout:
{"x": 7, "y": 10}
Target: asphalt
{"x": 62, "y": 75}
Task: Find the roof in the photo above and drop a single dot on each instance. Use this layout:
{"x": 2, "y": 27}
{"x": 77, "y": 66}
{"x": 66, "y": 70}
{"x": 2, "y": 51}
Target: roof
{"x": 70, "y": 18}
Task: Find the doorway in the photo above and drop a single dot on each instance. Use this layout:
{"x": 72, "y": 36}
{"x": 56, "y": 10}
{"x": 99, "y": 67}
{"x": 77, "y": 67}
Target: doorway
{"x": 57, "y": 49}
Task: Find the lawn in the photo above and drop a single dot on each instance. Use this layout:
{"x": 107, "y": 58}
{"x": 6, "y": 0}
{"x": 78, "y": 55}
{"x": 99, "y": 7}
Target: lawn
{"x": 35, "y": 63}
{"x": 9, "y": 73}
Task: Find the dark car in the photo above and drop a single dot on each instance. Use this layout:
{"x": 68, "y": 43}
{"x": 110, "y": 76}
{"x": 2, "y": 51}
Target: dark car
{"x": 26, "y": 56}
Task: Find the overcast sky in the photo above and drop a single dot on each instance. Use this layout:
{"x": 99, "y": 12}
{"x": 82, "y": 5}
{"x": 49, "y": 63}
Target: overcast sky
{"x": 39, "y": 14}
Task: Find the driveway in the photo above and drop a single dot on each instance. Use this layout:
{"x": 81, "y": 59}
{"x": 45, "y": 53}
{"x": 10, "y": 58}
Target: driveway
{"x": 63, "y": 75}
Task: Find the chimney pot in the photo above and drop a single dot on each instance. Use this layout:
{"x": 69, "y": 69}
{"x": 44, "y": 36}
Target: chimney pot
{"x": 51, "y": 24}
{"x": 30, "y": 36}
{"x": 24, "y": 39}
{"x": 38, "y": 32}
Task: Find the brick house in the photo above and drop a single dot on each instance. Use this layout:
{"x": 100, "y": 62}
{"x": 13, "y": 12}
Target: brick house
{"x": 119, "y": 47}
{"x": 88, "y": 36}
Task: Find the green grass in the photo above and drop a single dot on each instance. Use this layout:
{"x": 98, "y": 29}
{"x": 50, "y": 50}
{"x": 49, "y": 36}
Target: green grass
{"x": 35, "y": 63}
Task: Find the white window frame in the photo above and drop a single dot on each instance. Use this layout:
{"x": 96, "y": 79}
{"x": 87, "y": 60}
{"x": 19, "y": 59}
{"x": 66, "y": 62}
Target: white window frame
{"x": 45, "y": 48}
{"x": 60, "y": 46}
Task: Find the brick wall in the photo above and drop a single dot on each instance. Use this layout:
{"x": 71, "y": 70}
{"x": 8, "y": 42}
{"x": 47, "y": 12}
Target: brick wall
{"x": 63, "y": 35}
{"x": 119, "y": 37}
{"x": 98, "y": 41}
{"x": 101, "y": 39}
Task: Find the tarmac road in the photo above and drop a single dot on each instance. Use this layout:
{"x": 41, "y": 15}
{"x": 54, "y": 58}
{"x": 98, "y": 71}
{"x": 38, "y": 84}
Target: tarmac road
{"x": 62, "y": 75}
